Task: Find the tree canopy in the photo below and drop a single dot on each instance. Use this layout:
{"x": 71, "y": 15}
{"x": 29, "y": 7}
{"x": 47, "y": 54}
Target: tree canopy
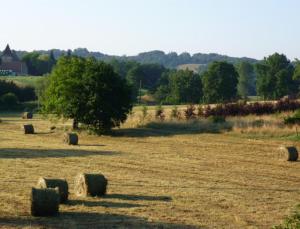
{"x": 146, "y": 74}
{"x": 246, "y": 80}
{"x": 39, "y": 64}
{"x": 220, "y": 83}
{"x": 181, "y": 86}
{"x": 275, "y": 77}
{"x": 89, "y": 92}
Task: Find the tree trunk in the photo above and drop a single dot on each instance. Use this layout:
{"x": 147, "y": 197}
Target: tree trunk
{"x": 75, "y": 124}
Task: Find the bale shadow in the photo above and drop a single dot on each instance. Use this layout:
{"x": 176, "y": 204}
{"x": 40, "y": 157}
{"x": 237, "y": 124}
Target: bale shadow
{"x": 173, "y": 128}
{"x": 99, "y": 203}
{"x": 138, "y": 197}
{"x": 96, "y": 145}
{"x": 12, "y": 153}
{"x": 66, "y": 220}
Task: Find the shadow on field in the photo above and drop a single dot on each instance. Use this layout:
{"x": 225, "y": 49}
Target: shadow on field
{"x": 106, "y": 204}
{"x": 137, "y": 197}
{"x": 87, "y": 220}
{"x": 173, "y": 128}
{"x": 11, "y": 153}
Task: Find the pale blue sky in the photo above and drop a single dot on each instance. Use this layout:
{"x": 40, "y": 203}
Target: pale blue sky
{"x": 253, "y": 28}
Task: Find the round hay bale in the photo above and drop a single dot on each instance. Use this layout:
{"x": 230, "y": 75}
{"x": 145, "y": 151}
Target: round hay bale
{"x": 71, "y": 138}
{"x": 44, "y": 202}
{"x": 52, "y": 128}
{"x": 61, "y": 184}
{"x": 28, "y": 129}
{"x": 27, "y": 115}
{"x": 90, "y": 185}
{"x": 289, "y": 153}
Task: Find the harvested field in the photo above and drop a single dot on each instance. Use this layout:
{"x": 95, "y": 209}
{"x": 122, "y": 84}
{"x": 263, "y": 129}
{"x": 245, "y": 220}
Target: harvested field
{"x": 180, "y": 180}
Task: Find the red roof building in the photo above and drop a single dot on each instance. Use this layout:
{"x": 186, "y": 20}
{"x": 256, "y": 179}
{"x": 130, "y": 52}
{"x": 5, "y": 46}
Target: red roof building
{"x": 11, "y": 62}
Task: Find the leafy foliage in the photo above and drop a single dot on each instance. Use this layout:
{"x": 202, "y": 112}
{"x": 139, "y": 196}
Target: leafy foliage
{"x": 159, "y": 113}
{"x": 240, "y": 109}
{"x": 8, "y": 101}
{"x": 294, "y": 119}
{"x": 23, "y": 93}
{"x": 246, "y": 80}
{"x": 217, "y": 119}
{"x": 181, "y": 86}
{"x": 189, "y": 112}
{"x": 175, "y": 113}
{"x": 275, "y": 77}
{"x": 39, "y": 64}
{"x": 220, "y": 83}
{"x": 87, "y": 91}
{"x": 147, "y": 75}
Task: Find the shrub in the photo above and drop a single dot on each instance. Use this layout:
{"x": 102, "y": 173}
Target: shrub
{"x": 9, "y": 100}
{"x": 200, "y": 111}
{"x": 293, "y": 120}
{"x": 240, "y": 109}
{"x": 144, "y": 112}
{"x": 217, "y": 119}
{"x": 159, "y": 113}
{"x": 175, "y": 113}
{"x": 189, "y": 112}
{"x": 23, "y": 93}
{"x": 258, "y": 123}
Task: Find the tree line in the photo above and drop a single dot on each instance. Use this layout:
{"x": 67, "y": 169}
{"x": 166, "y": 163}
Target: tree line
{"x": 271, "y": 78}
{"x": 11, "y": 94}
{"x": 169, "y": 60}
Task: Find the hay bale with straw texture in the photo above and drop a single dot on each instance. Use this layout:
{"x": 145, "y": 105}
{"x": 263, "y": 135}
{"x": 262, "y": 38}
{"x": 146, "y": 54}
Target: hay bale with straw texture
{"x": 28, "y": 129}
{"x": 44, "y": 202}
{"x": 289, "y": 153}
{"x": 61, "y": 184}
{"x": 71, "y": 138}
{"x": 90, "y": 185}
{"x": 27, "y": 115}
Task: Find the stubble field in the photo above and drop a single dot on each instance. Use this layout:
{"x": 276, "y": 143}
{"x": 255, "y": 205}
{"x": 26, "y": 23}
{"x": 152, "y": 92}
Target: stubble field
{"x": 157, "y": 178}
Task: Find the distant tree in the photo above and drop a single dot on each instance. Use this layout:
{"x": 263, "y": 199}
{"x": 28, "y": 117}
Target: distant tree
{"x": 146, "y": 74}
{"x": 89, "y": 92}
{"x": 9, "y": 100}
{"x": 275, "y": 77}
{"x": 40, "y": 88}
{"x": 181, "y": 86}
{"x": 69, "y": 53}
{"x": 122, "y": 67}
{"x": 39, "y": 64}
{"x": 296, "y": 75}
{"x": 246, "y": 80}
{"x": 220, "y": 83}
{"x": 23, "y": 93}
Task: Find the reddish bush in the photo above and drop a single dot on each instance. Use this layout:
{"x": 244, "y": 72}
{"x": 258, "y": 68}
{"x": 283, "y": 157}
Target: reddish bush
{"x": 240, "y": 109}
{"x": 189, "y": 112}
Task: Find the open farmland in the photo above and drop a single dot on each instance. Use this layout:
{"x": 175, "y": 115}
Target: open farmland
{"x": 156, "y": 178}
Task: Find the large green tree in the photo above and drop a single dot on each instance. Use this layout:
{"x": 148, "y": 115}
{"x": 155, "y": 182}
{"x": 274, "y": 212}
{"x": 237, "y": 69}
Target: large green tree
{"x": 246, "y": 80}
{"x": 220, "y": 83}
{"x": 275, "y": 77}
{"x": 89, "y": 92}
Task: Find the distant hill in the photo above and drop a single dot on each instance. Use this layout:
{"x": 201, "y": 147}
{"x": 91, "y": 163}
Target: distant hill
{"x": 169, "y": 60}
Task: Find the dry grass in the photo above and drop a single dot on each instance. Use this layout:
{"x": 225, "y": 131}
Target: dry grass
{"x": 157, "y": 178}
